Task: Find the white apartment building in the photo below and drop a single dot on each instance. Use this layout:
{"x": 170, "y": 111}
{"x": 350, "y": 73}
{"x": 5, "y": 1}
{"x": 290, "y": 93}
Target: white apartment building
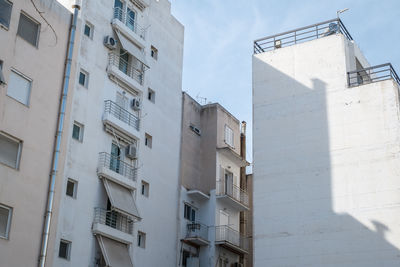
{"x": 326, "y": 152}
{"x": 32, "y": 64}
{"x": 120, "y": 185}
{"x": 211, "y": 197}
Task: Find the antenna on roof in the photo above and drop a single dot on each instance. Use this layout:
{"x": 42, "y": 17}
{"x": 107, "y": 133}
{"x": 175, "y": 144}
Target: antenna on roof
{"x": 340, "y": 12}
{"x": 201, "y": 99}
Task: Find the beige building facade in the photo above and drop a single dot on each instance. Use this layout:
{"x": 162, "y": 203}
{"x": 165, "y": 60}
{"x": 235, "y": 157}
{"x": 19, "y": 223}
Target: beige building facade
{"x": 32, "y": 59}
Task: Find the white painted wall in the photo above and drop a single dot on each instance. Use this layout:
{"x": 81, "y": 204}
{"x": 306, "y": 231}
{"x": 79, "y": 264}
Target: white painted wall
{"x": 325, "y": 160}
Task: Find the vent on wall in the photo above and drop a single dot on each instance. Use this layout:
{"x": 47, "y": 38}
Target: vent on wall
{"x": 195, "y": 129}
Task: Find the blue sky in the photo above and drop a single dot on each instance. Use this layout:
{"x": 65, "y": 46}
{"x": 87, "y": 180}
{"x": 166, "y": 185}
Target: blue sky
{"x": 219, "y": 38}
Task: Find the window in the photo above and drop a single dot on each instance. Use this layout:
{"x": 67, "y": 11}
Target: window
{"x": 77, "y": 131}
{"x": 28, "y": 29}
{"x": 72, "y": 187}
{"x": 5, "y": 221}
{"x": 5, "y": 13}
{"x": 10, "y": 151}
{"x": 88, "y": 30}
{"x": 229, "y": 136}
{"x": 151, "y": 95}
{"x": 154, "y": 52}
{"x": 65, "y": 249}
{"x": 189, "y": 213}
{"x": 84, "y": 78}
{"x": 148, "y": 140}
{"x": 145, "y": 188}
{"x": 19, "y": 87}
{"x": 2, "y": 80}
{"x": 141, "y": 239}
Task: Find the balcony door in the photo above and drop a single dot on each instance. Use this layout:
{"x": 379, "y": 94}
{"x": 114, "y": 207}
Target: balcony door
{"x": 223, "y": 218}
{"x": 118, "y": 9}
{"x": 228, "y": 183}
{"x": 130, "y": 19}
{"x": 116, "y": 157}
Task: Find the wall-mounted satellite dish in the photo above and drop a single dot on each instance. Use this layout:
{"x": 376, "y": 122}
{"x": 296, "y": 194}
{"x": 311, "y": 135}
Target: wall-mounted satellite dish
{"x": 332, "y": 29}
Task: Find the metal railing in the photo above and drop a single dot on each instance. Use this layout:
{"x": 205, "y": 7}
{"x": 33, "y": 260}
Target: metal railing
{"x": 233, "y": 191}
{"x": 130, "y": 22}
{"x": 117, "y": 165}
{"x": 121, "y": 114}
{"x": 301, "y": 35}
{"x": 197, "y": 230}
{"x": 372, "y": 74}
{"x": 224, "y": 233}
{"x": 113, "y": 219}
{"x": 134, "y": 72}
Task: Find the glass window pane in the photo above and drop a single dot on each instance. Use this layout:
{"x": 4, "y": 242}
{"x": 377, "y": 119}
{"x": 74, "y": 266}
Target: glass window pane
{"x": 70, "y": 188}
{"x": 5, "y": 12}
{"x": 4, "y": 213}
{"x": 9, "y": 151}
{"x": 19, "y": 88}
{"x": 87, "y": 30}
{"x": 82, "y": 79}
{"x": 76, "y": 132}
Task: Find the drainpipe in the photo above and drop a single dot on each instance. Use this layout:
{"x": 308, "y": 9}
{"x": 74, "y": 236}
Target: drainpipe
{"x": 57, "y": 144}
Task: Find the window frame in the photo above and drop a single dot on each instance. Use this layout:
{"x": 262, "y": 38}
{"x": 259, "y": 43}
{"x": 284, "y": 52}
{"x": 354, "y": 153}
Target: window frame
{"x": 16, "y": 72}
{"x": 91, "y": 29}
{"x": 75, "y": 189}
{"x": 141, "y": 239}
{"x": 148, "y": 140}
{"x": 145, "y": 189}
{"x": 229, "y": 134}
{"x": 19, "y": 152}
{"x": 86, "y": 82}
{"x": 9, "y": 217}
{"x": 154, "y": 52}
{"x": 81, "y": 131}
{"x": 9, "y": 20}
{"x": 188, "y": 215}
{"x": 38, "y": 28}
{"x": 151, "y": 95}
{"x": 68, "y": 251}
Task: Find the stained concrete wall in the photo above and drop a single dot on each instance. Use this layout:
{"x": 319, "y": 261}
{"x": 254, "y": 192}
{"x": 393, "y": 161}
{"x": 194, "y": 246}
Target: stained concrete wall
{"x": 325, "y": 160}
{"x": 25, "y": 189}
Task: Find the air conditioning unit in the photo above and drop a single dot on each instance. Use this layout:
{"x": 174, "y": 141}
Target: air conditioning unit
{"x": 278, "y": 44}
{"x": 136, "y": 104}
{"x": 131, "y": 152}
{"x": 110, "y": 42}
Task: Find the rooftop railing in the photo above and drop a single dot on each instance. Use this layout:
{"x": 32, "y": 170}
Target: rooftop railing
{"x": 117, "y": 165}
{"x": 129, "y": 21}
{"x": 197, "y": 230}
{"x": 372, "y": 74}
{"x": 113, "y": 219}
{"x": 232, "y": 191}
{"x": 121, "y": 114}
{"x": 301, "y": 35}
{"x": 224, "y": 233}
{"x": 134, "y": 71}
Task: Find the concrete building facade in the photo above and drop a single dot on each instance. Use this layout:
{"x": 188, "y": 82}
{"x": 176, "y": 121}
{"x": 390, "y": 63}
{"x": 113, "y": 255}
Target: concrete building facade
{"x": 326, "y": 152}
{"x": 211, "y": 196}
{"x": 30, "y": 92}
{"x": 120, "y": 185}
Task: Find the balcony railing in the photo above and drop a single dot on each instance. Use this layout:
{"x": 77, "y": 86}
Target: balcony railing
{"x": 114, "y": 220}
{"x": 301, "y": 35}
{"x": 372, "y": 74}
{"x": 121, "y": 114}
{"x": 233, "y": 191}
{"x": 129, "y": 69}
{"x": 224, "y": 233}
{"x": 117, "y": 165}
{"x": 130, "y": 22}
{"x": 197, "y": 230}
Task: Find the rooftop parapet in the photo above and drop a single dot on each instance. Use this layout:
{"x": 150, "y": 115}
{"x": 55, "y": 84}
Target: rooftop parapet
{"x": 301, "y": 35}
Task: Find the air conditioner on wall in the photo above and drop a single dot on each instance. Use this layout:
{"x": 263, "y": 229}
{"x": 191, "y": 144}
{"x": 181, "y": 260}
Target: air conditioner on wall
{"x": 131, "y": 151}
{"x": 136, "y": 104}
{"x": 110, "y": 42}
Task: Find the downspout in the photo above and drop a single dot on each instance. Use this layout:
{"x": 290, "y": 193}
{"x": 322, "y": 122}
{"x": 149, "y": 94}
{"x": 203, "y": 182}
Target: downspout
{"x": 57, "y": 144}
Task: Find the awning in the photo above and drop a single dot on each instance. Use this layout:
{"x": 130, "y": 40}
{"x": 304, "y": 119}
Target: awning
{"x": 116, "y": 254}
{"x": 131, "y": 48}
{"x": 121, "y": 198}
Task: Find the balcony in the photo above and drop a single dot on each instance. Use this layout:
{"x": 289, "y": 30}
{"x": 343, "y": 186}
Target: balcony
{"x": 121, "y": 121}
{"x": 116, "y": 170}
{"x": 130, "y": 74}
{"x": 301, "y": 35}
{"x": 113, "y": 225}
{"x": 197, "y": 234}
{"x": 372, "y": 74}
{"x": 232, "y": 195}
{"x": 127, "y": 24}
{"x": 231, "y": 239}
